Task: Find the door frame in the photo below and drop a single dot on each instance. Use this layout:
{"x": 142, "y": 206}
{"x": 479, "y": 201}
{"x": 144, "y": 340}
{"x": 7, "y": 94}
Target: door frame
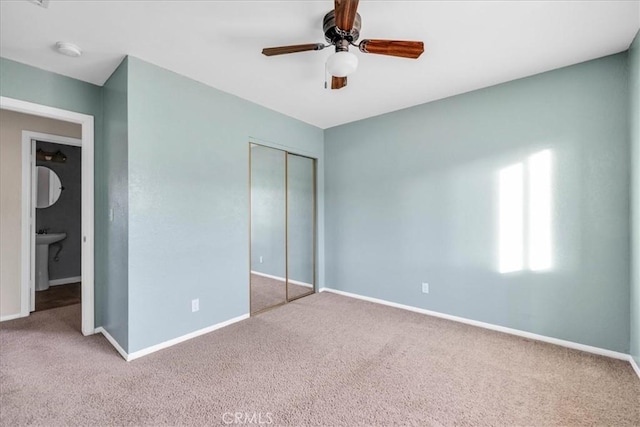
{"x": 87, "y": 216}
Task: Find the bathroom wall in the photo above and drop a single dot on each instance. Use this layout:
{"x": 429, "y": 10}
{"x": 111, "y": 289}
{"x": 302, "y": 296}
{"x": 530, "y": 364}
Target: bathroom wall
{"x": 415, "y": 196}
{"x": 11, "y": 126}
{"x": 65, "y": 214}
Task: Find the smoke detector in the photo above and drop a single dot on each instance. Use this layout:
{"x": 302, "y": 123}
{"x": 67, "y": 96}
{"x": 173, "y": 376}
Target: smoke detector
{"x": 68, "y": 49}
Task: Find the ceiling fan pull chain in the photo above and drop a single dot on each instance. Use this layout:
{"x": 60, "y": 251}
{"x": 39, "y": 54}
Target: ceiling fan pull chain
{"x": 325, "y": 76}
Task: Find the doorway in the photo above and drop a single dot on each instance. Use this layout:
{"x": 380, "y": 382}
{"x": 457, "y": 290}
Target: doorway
{"x": 55, "y": 218}
{"x": 283, "y": 227}
{"x": 27, "y": 234}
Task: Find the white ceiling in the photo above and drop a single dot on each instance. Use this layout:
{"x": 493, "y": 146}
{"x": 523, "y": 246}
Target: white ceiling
{"x": 468, "y": 45}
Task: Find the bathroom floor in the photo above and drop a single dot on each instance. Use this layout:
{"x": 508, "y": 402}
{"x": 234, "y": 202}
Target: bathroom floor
{"x": 58, "y": 296}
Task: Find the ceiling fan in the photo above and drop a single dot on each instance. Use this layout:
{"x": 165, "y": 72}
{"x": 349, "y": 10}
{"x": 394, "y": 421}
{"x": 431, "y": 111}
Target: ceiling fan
{"x": 341, "y": 29}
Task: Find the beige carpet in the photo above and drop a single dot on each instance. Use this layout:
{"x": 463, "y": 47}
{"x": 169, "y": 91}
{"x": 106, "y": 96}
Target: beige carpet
{"x": 321, "y": 360}
{"x": 267, "y": 292}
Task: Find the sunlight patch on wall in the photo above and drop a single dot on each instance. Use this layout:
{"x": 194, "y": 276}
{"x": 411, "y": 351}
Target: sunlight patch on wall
{"x": 511, "y": 218}
{"x": 525, "y": 204}
{"x": 540, "y": 211}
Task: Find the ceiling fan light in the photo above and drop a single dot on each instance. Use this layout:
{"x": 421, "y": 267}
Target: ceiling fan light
{"x": 341, "y": 64}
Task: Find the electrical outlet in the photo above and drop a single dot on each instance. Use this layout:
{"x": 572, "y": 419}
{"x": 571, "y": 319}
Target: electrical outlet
{"x": 195, "y": 305}
{"x": 425, "y": 288}
{"x": 111, "y": 214}
{"x": 260, "y": 259}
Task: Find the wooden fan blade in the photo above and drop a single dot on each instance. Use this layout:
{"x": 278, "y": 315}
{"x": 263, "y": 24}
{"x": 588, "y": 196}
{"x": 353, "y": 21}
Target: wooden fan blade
{"x": 281, "y": 50}
{"x": 345, "y": 12}
{"x": 404, "y": 49}
{"x": 338, "y": 82}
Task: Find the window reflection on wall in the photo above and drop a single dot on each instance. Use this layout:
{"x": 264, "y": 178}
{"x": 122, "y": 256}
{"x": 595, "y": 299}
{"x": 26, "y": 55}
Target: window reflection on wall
{"x": 511, "y": 215}
{"x": 524, "y": 215}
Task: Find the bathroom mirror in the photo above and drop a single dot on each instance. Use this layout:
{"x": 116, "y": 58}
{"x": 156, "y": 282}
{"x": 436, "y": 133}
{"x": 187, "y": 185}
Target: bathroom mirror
{"x": 48, "y": 187}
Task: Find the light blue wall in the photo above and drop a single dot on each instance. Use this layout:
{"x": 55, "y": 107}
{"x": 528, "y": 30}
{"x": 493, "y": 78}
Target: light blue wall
{"x": 412, "y": 196}
{"x": 31, "y": 84}
{"x": 189, "y": 199}
{"x": 634, "y": 122}
{"x": 114, "y": 158}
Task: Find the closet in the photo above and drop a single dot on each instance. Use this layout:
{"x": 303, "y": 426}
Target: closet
{"x": 283, "y": 227}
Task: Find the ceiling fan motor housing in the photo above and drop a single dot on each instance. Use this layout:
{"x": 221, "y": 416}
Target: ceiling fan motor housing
{"x": 335, "y": 35}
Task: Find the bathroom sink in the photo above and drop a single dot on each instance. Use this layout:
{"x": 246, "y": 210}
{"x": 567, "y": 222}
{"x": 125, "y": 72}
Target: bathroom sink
{"x": 47, "y": 239}
{"x": 42, "y": 258}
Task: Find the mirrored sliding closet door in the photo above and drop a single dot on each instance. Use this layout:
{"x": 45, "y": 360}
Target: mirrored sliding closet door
{"x": 300, "y": 226}
{"x": 268, "y": 228}
{"x": 283, "y": 216}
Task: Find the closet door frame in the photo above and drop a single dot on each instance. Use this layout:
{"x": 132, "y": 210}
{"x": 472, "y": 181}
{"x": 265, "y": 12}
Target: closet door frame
{"x": 286, "y": 152}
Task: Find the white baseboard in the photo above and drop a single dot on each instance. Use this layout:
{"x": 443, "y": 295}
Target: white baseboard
{"x": 145, "y": 351}
{"x": 114, "y": 343}
{"x": 11, "y": 317}
{"x": 174, "y": 341}
{"x": 282, "y": 279}
{"x": 65, "y": 281}
{"x": 634, "y": 365}
{"x": 569, "y": 344}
